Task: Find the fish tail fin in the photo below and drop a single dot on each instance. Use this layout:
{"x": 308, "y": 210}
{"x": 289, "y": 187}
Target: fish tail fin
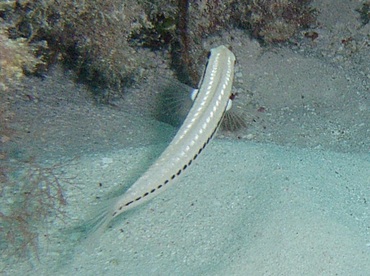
{"x": 97, "y": 225}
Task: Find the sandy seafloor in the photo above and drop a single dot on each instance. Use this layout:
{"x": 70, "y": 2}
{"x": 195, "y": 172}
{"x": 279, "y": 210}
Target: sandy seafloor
{"x": 288, "y": 195}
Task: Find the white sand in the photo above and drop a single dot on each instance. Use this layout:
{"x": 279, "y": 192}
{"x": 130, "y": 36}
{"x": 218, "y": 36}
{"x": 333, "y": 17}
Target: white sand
{"x": 260, "y": 210}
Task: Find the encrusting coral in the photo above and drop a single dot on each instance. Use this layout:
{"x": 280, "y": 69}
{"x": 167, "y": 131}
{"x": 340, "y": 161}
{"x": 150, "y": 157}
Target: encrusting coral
{"x": 105, "y": 41}
{"x": 279, "y": 20}
{"x": 270, "y": 21}
{"x": 16, "y": 58}
{"x": 89, "y": 37}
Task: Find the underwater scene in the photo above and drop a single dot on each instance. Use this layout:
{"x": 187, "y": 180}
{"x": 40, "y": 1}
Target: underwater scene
{"x": 183, "y": 137}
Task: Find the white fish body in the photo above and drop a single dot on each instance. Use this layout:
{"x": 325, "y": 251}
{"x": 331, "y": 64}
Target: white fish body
{"x": 211, "y": 102}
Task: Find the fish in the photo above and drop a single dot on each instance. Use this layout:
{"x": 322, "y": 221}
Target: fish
{"x": 210, "y": 103}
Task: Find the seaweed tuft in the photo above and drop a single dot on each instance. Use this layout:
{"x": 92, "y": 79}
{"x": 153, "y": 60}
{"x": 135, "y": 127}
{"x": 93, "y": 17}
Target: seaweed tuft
{"x": 33, "y": 198}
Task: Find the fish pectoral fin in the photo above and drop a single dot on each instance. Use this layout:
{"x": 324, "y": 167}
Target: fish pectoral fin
{"x": 194, "y": 94}
{"x": 229, "y": 104}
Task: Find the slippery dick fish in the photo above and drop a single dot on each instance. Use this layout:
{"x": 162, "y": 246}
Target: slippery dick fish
{"x": 211, "y": 101}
